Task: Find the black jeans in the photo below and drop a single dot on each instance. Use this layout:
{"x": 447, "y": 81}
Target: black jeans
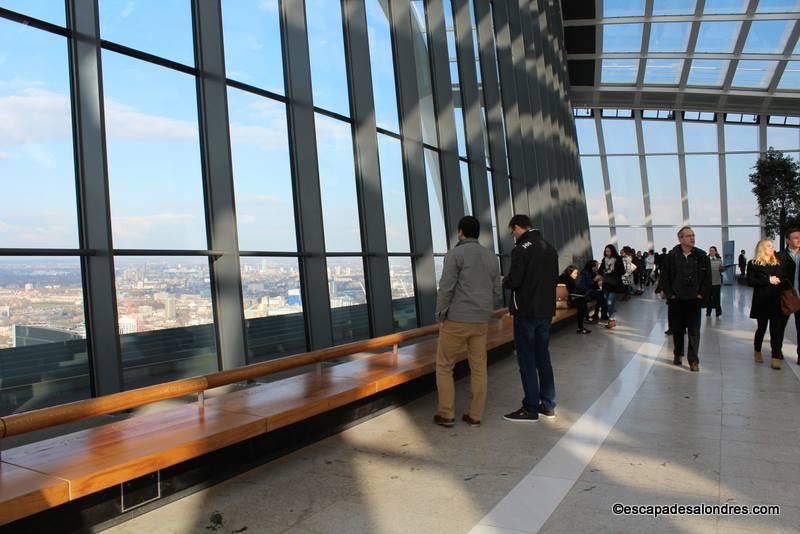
{"x": 685, "y": 316}
{"x": 796, "y": 327}
{"x": 777, "y": 326}
{"x": 583, "y": 310}
{"x": 716, "y": 302}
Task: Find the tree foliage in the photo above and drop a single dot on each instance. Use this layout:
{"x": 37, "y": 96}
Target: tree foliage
{"x": 776, "y": 185}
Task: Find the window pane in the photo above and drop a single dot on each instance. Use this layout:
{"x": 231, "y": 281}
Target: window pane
{"x": 663, "y": 178}
{"x": 665, "y": 238}
{"x": 620, "y": 136}
{"x": 461, "y": 142}
{"x": 741, "y": 137}
{"x": 791, "y": 75}
{"x": 699, "y": 137}
{"x": 493, "y": 211}
{"x": 674, "y": 7}
{"x": 326, "y": 51}
{"x": 622, "y": 37}
{"x": 163, "y": 28}
{"x": 348, "y": 299}
{"x": 261, "y": 172}
{"x": 745, "y": 238}
{"x": 382, "y": 64}
{"x": 337, "y": 183}
{"x": 253, "y": 43}
{"x": 587, "y": 136}
{"x": 42, "y": 334}
{"x": 632, "y": 237}
{"x": 754, "y": 74}
{"x": 165, "y": 319}
{"x": 659, "y": 136}
{"x": 778, "y": 6}
{"x": 623, "y": 8}
{"x": 715, "y": 7}
{"x": 626, "y": 190}
{"x": 404, "y": 308}
{"x": 600, "y": 238}
{"x": 768, "y": 36}
{"x": 708, "y": 237}
{"x": 702, "y": 178}
{"x": 423, "y": 67}
{"x": 718, "y": 36}
{"x": 273, "y": 307}
{"x": 663, "y": 71}
{"x": 708, "y": 72}
{"x": 154, "y": 160}
{"x": 48, "y": 11}
{"x": 435, "y": 201}
{"x": 595, "y": 191}
{"x": 742, "y": 207}
{"x": 466, "y": 190}
{"x": 783, "y": 138}
{"x": 438, "y": 266}
{"x": 669, "y": 36}
{"x": 619, "y": 71}
{"x": 39, "y": 206}
{"x": 394, "y": 194}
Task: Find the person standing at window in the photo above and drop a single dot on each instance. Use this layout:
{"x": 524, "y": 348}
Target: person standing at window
{"x": 714, "y": 301}
{"x": 764, "y": 275}
{"x": 742, "y": 263}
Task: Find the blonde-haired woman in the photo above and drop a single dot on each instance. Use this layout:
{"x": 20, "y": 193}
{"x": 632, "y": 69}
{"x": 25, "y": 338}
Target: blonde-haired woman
{"x": 765, "y": 274}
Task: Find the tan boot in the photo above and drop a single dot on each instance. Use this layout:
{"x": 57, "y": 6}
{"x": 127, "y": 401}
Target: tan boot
{"x": 611, "y": 324}
{"x": 776, "y": 363}
{"x": 758, "y": 357}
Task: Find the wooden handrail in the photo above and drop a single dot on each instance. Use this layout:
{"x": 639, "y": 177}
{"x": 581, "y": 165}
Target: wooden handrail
{"x": 16, "y": 424}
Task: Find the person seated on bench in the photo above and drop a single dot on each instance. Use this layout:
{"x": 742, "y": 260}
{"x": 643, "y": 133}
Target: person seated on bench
{"x": 577, "y": 295}
{"x": 590, "y": 279}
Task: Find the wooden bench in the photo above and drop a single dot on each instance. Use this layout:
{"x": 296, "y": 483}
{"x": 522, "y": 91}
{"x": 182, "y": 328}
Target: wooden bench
{"x": 48, "y": 473}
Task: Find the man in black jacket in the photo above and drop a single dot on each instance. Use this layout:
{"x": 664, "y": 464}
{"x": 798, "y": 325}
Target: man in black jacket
{"x": 790, "y": 259}
{"x": 532, "y": 279}
{"x": 686, "y": 282}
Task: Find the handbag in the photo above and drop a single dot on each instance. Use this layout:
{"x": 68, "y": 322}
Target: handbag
{"x": 790, "y": 302}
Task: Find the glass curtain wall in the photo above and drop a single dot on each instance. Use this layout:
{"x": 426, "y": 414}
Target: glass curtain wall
{"x": 183, "y": 162}
{"x": 693, "y": 166}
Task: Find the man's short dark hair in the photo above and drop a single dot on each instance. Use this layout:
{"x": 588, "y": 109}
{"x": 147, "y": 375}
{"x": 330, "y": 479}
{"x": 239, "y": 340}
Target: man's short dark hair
{"x": 470, "y": 226}
{"x": 523, "y": 221}
{"x": 790, "y": 231}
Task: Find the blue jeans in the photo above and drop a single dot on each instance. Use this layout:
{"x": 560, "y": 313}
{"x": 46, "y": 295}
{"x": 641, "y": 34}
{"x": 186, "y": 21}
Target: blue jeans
{"x": 611, "y": 304}
{"x": 532, "y": 337}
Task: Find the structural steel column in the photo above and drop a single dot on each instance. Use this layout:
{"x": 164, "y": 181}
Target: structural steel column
{"x": 443, "y": 97}
{"x": 215, "y": 145}
{"x": 471, "y": 108}
{"x": 305, "y": 175}
{"x": 648, "y": 212}
{"x": 601, "y": 144}
{"x": 723, "y": 177}
{"x": 682, "y": 169}
{"x": 419, "y": 221}
{"x": 92, "y": 172}
{"x": 368, "y": 179}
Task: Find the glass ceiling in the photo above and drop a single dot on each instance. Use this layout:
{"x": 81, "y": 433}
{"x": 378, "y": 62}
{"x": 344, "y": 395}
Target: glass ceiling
{"x": 723, "y": 47}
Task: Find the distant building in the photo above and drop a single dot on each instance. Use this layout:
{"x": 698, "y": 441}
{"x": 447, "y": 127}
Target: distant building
{"x": 26, "y": 336}
{"x": 128, "y": 325}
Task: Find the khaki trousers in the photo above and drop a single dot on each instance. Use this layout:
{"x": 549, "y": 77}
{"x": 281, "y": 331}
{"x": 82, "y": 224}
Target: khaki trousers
{"x": 453, "y": 336}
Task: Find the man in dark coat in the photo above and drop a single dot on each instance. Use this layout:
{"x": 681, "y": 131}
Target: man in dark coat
{"x": 532, "y": 279}
{"x": 686, "y": 283}
{"x": 790, "y": 261}
{"x": 742, "y": 263}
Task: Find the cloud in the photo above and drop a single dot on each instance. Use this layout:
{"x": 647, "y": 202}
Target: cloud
{"x": 5, "y": 155}
{"x": 34, "y": 116}
{"x": 267, "y": 138}
{"x": 125, "y": 122}
{"x": 127, "y": 10}
{"x": 269, "y": 199}
{"x": 270, "y": 6}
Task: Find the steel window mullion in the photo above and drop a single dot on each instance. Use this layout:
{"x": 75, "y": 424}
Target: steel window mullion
{"x": 226, "y": 286}
{"x": 601, "y": 144}
{"x": 419, "y": 220}
{"x": 510, "y": 99}
{"x": 473, "y": 120}
{"x": 494, "y": 117}
{"x": 100, "y": 298}
{"x": 648, "y": 213}
{"x": 365, "y": 145}
{"x": 682, "y": 170}
{"x": 723, "y": 178}
{"x": 305, "y": 175}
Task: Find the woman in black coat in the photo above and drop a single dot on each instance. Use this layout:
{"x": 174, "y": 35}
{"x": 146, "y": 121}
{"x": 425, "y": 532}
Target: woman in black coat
{"x": 612, "y": 270}
{"x": 577, "y": 295}
{"x": 765, "y": 274}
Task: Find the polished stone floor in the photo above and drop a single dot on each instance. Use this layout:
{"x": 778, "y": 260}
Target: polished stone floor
{"x": 631, "y": 428}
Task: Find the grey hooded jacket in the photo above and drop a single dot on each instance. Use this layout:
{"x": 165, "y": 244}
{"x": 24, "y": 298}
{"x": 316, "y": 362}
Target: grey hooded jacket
{"x": 470, "y": 284}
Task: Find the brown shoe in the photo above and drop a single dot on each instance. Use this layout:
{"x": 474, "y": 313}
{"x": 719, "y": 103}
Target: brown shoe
{"x": 695, "y": 367}
{"x": 470, "y": 421}
{"x": 758, "y": 356}
{"x": 776, "y": 363}
{"x": 611, "y": 324}
{"x": 443, "y": 421}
